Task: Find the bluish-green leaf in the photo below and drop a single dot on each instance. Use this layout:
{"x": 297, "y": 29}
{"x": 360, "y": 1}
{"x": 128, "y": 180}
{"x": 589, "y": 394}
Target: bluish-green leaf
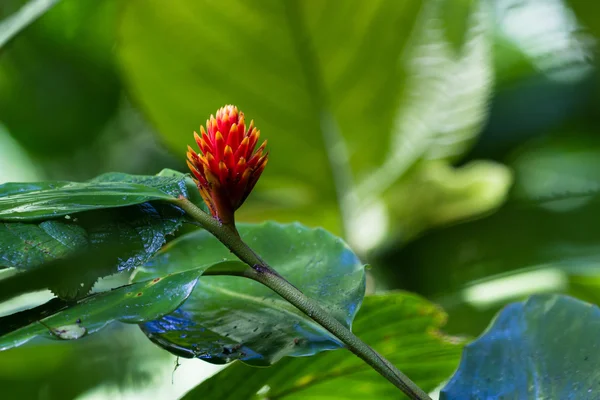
{"x": 403, "y": 327}
{"x": 228, "y": 318}
{"x": 543, "y": 348}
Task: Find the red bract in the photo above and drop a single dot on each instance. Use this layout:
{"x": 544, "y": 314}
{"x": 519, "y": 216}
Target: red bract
{"x": 227, "y": 168}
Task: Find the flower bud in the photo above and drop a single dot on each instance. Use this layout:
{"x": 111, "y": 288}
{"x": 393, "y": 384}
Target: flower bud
{"x": 227, "y": 167}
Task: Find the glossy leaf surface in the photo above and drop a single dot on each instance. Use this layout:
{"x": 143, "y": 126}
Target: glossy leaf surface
{"x": 543, "y": 348}
{"x": 134, "y": 303}
{"x": 401, "y": 326}
{"x": 228, "y": 318}
{"x": 118, "y": 212}
{"x": 43, "y": 200}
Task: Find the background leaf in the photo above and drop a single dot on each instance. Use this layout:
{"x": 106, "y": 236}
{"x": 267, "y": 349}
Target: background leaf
{"x": 60, "y": 70}
{"x": 401, "y": 326}
{"x": 455, "y": 19}
{"x": 12, "y": 25}
{"x": 518, "y": 357}
{"x": 538, "y": 241}
{"x": 339, "y": 84}
{"x": 228, "y": 318}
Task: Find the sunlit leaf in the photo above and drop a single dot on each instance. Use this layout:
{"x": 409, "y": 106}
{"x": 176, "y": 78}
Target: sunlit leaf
{"x": 228, "y": 318}
{"x": 543, "y": 348}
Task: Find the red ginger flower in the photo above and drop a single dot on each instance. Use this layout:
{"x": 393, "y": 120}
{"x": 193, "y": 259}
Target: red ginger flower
{"x": 227, "y": 168}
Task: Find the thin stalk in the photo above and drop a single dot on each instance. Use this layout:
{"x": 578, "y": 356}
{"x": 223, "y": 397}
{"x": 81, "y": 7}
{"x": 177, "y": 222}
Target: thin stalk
{"x": 261, "y": 272}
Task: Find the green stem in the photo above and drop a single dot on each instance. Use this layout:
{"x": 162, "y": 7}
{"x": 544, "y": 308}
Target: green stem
{"x": 263, "y": 273}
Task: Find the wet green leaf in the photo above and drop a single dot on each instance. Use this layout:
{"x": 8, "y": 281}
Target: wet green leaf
{"x": 44, "y": 200}
{"x": 543, "y": 348}
{"x": 228, "y": 318}
{"x": 114, "y": 212}
{"x": 401, "y": 326}
{"x": 53, "y": 252}
{"x": 67, "y": 332}
{"x": 135, "y": 303}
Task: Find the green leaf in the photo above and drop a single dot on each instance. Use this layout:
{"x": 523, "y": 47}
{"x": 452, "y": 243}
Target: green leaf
{"x": 455, "y": 19}
{"x": 539, "y": 238}
{"x": 114, "y": 213}
{"x": 61, "y": 69}
{"x": 121, "y": 358}
{"x": 43, "y": 200}
{"x": 558, "y": 172}
{"x": 135, "y": 303}
{"x": 543, "y": 348}
{"x": 349, "y": 104}
{"x": 15, "y": 164}
{"x": 130, "y": 236}
{"x": 401, "y": 326}
{"x": 228, "y": 318}
{"x": 15, "y": 23}
{"x": 193, "y": 193}
{"x": 588, "y": 13}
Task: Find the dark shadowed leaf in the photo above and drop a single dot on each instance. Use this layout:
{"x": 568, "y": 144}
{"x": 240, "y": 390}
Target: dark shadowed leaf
{"x": 588, "y": 13}
{"x": 131, "y": 235}
{"x": 402, "y": 326}
{"x": 58, "y": 84}
{"x": 119, "y": 216}
{"x": 543, "y": 348}
{"x": 228, "y": 318}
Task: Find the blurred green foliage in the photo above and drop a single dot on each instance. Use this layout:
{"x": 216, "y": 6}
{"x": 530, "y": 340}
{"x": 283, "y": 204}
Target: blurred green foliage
{"x": 453, "y": 143}
{"x": 348, "y": 101}
{"x": 58, "y": 82}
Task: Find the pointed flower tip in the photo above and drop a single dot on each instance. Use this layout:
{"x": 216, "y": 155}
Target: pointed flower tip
{"x": 227, "y": 166}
